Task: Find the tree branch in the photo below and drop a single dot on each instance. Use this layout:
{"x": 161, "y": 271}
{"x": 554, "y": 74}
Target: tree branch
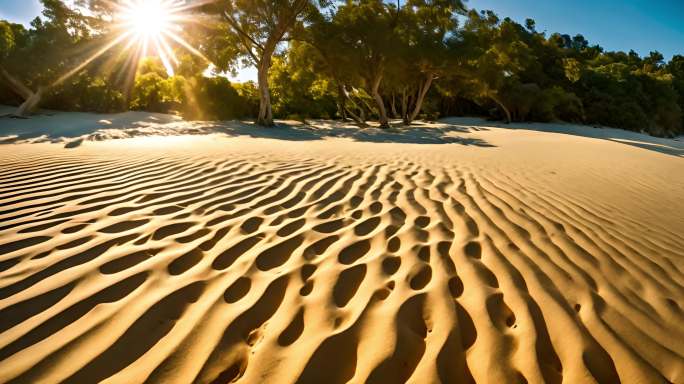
{"x": 236, "y": 26}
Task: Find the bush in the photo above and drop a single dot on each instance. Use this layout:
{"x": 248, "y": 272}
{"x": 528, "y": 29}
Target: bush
{"x": 99, "y": 97}
{"x": 520, "y": 99}
{"x": 218, "y": 99}
{"x": 154, "y": 93}
{"x": 86, "y": 93}
{"x": 633, "y": 100}
{"x": 528, "y": 102}
{"x": 297, "y": 92}
{"x": 563, "y": 105}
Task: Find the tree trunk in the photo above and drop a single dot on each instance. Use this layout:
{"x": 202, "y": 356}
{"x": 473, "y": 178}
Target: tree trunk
{"x": 394, "y": 107}
{"x": 30, "y": 104}
{"x": 361, "y": 117}
{"x": 342, "y": 109}
{"x": 503, "y": 107}
{"x": 341, "y": 101}
{"x": 421, "y": 96}
{"x": 382, "y": 112}
{"x": 404, "y": 105}
{"x": 31, "y": 99}
{"x": 17, "y": 86}
{"x": 265, "y": 118}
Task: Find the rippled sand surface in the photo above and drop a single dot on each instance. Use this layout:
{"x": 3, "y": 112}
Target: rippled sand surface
{"x": 539, "y": 257}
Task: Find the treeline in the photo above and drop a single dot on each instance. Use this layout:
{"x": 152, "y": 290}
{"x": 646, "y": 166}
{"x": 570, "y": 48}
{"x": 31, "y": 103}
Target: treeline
{"x": 357, "y": 60}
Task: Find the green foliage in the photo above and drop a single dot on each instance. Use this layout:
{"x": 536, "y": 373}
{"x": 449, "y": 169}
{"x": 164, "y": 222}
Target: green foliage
{"x": 218, "y": 99}
{"x": 622, "y": 96}
{"x": 86, "y": 93}
{"x": 381, "y": 50}
{"x": 250, "y": 94}
{"x": 676, "y": 68}
{"x": 572, "y": 69}
{"x": 46, "y": 51}
{"x": 34, "y": 61}
{"x": 562, "y": 105}
{"x": 7, "y": 42}
{"x": 299, "y": 93}
{"x": 154, "y": 91}
{"x": 358, "y": 59}
{"x": 527, "y": 76}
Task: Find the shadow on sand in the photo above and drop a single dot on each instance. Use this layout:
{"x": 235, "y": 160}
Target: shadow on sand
{"x": 74, "y": 128}
{"x": 674, "y": 147}
{"x": 417, "y": 133}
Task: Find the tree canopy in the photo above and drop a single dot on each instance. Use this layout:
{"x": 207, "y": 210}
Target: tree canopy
{"x": 356, "y": 59}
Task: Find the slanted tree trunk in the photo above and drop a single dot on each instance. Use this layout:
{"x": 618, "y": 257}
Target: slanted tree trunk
{"x": 358, "y": 118}
{"x": 382, "y": 112}
{"x": 503, "y": 108}
{"x": 365, "y": 103}
{"x": 422, "y": 91}
{"x": 17, "y": 86}
{"x": 30, "y": 104}
{"x": 31, "y": 99}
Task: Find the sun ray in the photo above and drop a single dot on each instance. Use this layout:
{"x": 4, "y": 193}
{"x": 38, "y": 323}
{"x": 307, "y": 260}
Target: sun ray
{"x": 97, "y": 54}
{"x": 166, "y": 48}
{"x": 146, "y": 25}
{"x": 153, "y": 24}
{"x": 185, "y": 45}
{"x": 163, "y": 56}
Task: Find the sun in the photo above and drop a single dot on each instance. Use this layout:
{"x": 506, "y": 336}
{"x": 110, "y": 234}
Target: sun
{"x": 148, "y": 18}
{"x": 152, "y": 27}
{"x": 147, "y": 27}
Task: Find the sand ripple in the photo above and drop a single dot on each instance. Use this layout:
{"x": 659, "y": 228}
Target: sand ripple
{"x": 256, "y": 268}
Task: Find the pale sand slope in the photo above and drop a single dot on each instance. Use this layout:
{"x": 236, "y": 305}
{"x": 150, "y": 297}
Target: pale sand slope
{"x": 528, "y": 256}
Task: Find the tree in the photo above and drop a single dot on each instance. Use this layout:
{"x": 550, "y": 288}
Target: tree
{"x": 495, "y": 58}
{"x": 250, "y": 33}
{"x": 13, "y": 37}
{"x": 380, "y": 49}
{"x": 35, "y": 60}
{"x": 676, "y": 68}
{"x": 326, "y": 53}
{"x": 653, "y": 62}
{"x": 367, "y": 37}
{"x": 299, "y": 91}
{"x": 423, "y": 27}
{"x": 358, "y": 59}
{"x": 154, "y": 90}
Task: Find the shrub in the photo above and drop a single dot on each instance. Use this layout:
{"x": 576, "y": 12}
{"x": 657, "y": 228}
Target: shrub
{"x": 218, "y": 99}
{"x": 154, "y": 93}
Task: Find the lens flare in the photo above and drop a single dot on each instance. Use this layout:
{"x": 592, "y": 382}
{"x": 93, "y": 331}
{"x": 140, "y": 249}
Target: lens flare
{"x": 152, "y": 26}
{"x": 148, "y": 19}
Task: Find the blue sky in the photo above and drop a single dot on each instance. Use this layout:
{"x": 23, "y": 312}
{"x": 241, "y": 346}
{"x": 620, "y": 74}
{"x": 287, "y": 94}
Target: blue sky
{"x": 22, "y": 11}
{"x": 616, "y": 25}
{"x": 642, "y": 25}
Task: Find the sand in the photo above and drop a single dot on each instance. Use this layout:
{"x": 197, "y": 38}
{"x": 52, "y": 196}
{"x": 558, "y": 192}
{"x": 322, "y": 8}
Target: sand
{"x": 455, "y": 252}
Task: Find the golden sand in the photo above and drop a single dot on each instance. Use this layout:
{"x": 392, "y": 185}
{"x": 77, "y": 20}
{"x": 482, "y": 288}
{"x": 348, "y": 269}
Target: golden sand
{"x": 538, "y": 257}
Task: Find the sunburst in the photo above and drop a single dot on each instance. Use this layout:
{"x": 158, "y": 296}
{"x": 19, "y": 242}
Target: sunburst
{"x": 147, "y": 27}
{"x": 152, "y": 27}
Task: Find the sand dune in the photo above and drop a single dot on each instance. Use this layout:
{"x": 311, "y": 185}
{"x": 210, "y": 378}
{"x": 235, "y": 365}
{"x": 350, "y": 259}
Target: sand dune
{"x": 540, "y": 257}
